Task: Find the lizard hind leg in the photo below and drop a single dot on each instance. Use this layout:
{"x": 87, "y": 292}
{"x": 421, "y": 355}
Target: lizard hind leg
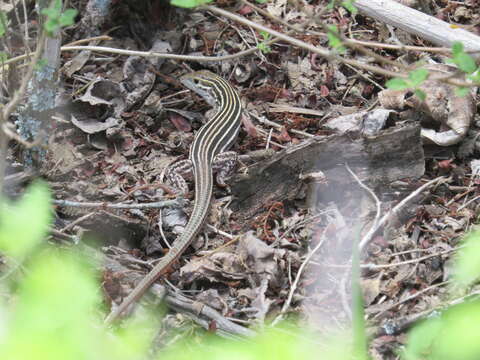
{"x": 176, "y": 174}
{"x": 224, "y": 165}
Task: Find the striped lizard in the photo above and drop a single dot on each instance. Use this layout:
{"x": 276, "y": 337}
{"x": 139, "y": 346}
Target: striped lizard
{"x": 207, "y": 153}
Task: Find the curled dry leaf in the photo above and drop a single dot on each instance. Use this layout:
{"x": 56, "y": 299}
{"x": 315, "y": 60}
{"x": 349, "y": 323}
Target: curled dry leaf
{"x": 454, "y": 114}
{"x": 76, "y": 63}
{"x": 92, "y": 126}
{"x": 244, "y": 71}
{"x": 153, "y": 104}
{"x": 446, "y": 164}
{"x": 302, "y": 76}
{"x": 370, "y": 123}
{"x": 371, "y": 289}
{"x": 249, "y": 126}
{"x": 213, "y": 299}
{"x": 105, "y": 92}
{"x": 99, "y": 108}
{"x": 245, "y": 10}
{"x": 220, "y": 268}
{"x": 139, "y": 76}
{"x": 179, "y": 122}
{"x": 475, "y": 166}
{"x": 138, "y": 80}
{"x": 261, "y": 258}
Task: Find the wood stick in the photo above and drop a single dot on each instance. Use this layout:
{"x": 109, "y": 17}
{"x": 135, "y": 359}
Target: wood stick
{"x": 415, "y": 22}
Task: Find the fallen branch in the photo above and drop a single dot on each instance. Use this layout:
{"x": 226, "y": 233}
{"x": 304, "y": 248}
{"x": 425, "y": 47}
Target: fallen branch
{"x": 415, "y": 22}
{"x": 105, "y": 205}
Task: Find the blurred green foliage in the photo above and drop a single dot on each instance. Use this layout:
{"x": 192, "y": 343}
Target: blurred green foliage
{"x": 53, "y": 309}
{"x": 23, "y": 225}
{"x": 53, "y": 312}
{"x": 189, "y": 3}
{"x": 263, "y": 46}
{"x": 464, "y": 61}
{"x": 415, "y": 79}
{"x": 453, "y": 333}
{"x": 56, "y": 18}
{"x": 3, "y": 23}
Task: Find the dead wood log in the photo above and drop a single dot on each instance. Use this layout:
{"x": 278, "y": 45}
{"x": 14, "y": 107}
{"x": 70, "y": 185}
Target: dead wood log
{"x": 393, "y": 154}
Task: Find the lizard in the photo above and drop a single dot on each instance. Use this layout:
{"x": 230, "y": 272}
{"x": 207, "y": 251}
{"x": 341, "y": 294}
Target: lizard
{"x": 208, "y": 154}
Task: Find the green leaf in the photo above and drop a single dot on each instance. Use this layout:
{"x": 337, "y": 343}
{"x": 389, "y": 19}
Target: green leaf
{"x": 52, "y": 25}
{"x": 189, "y": 3}
{"x": 41, "y": 63}
{"x": 333, "y": 29}
{"x": 51, "y": 13}
{"x": 53, "y": 311}
{"x": 3, "y": 57}
{"x": 68, "y": 17}
{"x": 349, "y": 5}
{"x": 465, "y": 63}
{"x": 58, "y": 5}
{"x": 475, "y": 77}
{"x": 468, "y": 261}
{"x": 457, "y": 48}
{"x": 397, "y": 84}
{"x": 3, "y": 23}
{"x": 333, "y": 39}
{"x": 461, "y": 91}
{"x": 265, "y": 35}
{"x": 264, "y": 48}
{"x": 261, "y": 1}
{"x": 420, "y": 94}
{"x": 460, "y": 58}
{"x": 24, "y": 224}
{"x": 272, "y": 344}
{"x": 418, "y": 76}
{"x": 56, "y": 19}
{"x": 420, "y": 339}
{"x": 450, "y": 335}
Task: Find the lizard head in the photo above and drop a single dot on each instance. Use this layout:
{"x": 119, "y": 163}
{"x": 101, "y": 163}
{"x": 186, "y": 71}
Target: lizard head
{"x": 204, "y": 83}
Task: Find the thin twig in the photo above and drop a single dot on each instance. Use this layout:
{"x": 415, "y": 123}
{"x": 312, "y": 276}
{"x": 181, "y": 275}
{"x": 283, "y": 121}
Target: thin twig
{"x": 378, "y": 204}
{"x": 82, "y": 41}
{"x": 264, "y": 120}
{"x": 329, "y": 55}
{"x": 152, "y": 205}
{"x": 77, "y": 221}
{"x": 405, "y": 322}
{"x": 406, "y": 262}
{"x": 366, "y": 239}
{"x": 411, "y": 297}
{"x": 401, "y": 47}
{"x": 468, "y": 203}
{"x": 272, "y": 17}
{"x": 13, "y": 135}
{"x": 287, "y": 303}
{"x": 198, "y": 58}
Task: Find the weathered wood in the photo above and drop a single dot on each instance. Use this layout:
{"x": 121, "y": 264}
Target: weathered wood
{"x": 415, "y": 22}
{"x": 395, "y": 153}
